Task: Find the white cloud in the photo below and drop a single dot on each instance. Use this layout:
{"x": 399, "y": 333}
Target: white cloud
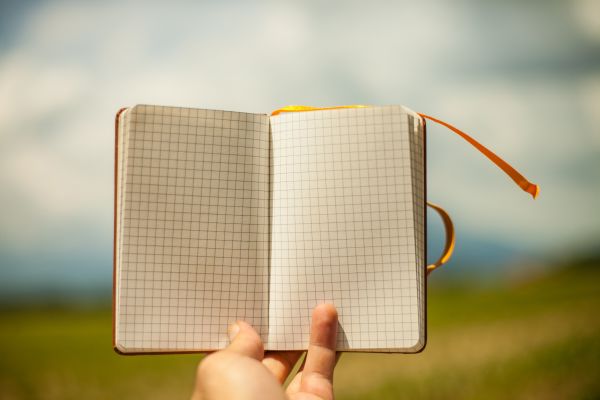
{"x": 75, "y": 64}
{"x": 587, "y": 14}
{"x": 30, "y": 92}
{"x": 536, "y": 126}
{"x": 589, "y": 92}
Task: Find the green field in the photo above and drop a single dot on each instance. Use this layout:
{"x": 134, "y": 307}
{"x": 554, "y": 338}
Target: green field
{"x": 527, "y": 339}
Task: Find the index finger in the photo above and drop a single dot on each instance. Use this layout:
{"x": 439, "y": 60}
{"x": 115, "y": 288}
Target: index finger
{"x": 317, "y": 376}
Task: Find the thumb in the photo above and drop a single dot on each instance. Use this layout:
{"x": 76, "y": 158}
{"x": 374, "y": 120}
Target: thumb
{"x": 245, "y": 341}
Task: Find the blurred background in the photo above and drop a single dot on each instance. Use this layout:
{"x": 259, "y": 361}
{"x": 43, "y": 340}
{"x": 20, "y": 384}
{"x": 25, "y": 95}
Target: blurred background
{"x": 513, "y": 315}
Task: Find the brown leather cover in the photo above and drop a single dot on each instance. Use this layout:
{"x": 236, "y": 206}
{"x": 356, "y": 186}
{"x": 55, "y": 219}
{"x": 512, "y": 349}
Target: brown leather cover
{"x": 114, "y": 295}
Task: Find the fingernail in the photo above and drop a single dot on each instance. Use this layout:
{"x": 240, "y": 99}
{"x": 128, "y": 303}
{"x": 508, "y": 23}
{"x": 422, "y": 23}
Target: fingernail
{"x": 233, "y": 330}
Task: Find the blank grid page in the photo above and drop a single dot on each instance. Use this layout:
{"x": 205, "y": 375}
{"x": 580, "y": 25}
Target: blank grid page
{"x": 417, "y": 157}
{"x": 193, "y": 227}
{"x": 345, "y": 228}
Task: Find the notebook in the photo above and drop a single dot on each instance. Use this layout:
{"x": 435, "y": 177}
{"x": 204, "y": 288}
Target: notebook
{"x": 222, "y": 216}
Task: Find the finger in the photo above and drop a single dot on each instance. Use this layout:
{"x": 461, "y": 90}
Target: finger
{"x": 317, "y": 376}
{"x": 245, "y": 341}
{"x": 294, "y": 385}
{"x": 321, "y": 354}
{"x": 280, "y": 363}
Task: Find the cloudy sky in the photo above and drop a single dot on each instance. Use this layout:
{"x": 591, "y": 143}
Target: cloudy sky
{"x": 522, "y": 77}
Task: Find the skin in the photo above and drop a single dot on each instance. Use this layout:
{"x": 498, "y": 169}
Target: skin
{"x": 244, "y": 371}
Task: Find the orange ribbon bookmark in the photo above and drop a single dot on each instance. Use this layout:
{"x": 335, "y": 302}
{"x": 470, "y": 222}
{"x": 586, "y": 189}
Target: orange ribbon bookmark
{"x": 519, "y": 179}
{"x": 309, "y": 108}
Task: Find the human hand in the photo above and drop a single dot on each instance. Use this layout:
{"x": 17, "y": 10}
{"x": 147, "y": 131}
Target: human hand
{"x": 244, "y": 371}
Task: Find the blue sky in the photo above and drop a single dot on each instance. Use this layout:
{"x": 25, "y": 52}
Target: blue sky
{"x": 522, "y": 77}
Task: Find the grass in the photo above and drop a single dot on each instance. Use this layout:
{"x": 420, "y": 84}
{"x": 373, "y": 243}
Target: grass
{"x": 521, "y": 340}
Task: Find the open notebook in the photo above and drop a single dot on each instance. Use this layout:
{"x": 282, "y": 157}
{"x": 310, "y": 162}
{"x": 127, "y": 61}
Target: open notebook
{"x": 221, "y": 216}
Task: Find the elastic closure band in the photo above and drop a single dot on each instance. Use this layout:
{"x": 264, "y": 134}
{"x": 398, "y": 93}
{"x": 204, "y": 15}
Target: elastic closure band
{"x": 450, "y": 238}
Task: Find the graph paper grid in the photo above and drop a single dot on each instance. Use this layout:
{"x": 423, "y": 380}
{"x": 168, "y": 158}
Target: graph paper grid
{"x": 224, "y": 216}
{"x": 193, "y": 227}
{"x": 348, "y": 227}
